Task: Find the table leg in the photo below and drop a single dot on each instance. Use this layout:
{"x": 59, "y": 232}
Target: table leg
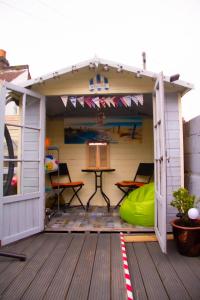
{"x": 96, "y": 187}
{"x": 102, "y": 192}
{"x": 88, "y": 203}
{"x": 106, "y": 199}
{"x": 99, "y": 186}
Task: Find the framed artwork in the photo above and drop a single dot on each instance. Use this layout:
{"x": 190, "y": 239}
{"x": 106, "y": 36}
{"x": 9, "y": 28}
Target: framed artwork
{"x": 109, "y": 129}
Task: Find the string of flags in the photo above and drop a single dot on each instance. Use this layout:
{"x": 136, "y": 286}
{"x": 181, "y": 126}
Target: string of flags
{"x": 103, "y": 101}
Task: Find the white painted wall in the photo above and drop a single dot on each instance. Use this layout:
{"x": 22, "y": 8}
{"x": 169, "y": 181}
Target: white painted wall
{"x": 173, "y": 144}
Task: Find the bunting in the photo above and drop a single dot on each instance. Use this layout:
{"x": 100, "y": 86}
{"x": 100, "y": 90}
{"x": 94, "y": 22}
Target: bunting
{"x": 64, "y": 100}
{"x": 81, "y": 100}
{"x": 73, "y": 100}
{"x": 103, "y": 101}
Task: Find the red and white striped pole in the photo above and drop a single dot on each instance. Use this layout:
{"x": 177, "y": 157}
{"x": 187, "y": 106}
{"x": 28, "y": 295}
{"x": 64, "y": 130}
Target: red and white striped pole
{"x": 126, "y": 270}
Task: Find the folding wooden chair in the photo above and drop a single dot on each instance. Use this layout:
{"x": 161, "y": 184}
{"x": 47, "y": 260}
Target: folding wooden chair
{"x": 55, "y": 177}
{"x": 143, "y": 176}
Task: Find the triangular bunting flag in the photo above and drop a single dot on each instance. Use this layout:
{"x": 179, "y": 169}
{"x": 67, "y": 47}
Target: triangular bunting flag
{"x": 96, "y": 101}
{"x": 81, "y": 100}
{"x": 116, "y": 101}
{"x": 102, "y": 102}
{"x": 123, "y": 100}
{"x": 88, "y": 101}
{"x": 140, "y": 99}
{"x": 112, "y": 101}
{"x": 107, "y": 100}
{"x": 64, "y": 100}
{"x": 73, "y": 101}
{"x": 128, "y": 100}
{"x": 134, "y": 99}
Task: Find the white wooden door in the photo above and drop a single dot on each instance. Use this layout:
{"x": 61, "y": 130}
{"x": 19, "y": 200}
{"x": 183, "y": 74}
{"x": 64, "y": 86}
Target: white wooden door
{"x": 160, "y": 163}
{"x": 22, "y": 203}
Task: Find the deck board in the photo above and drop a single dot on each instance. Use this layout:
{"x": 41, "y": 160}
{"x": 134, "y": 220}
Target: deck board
{"x": 42, "y": 280}
{"x": 187, "y": 276}
{"x": 15, "y": 248}
{"x": 89, "y": 266}
{"x": 83, "y": 272}
{"x": 16, "y": 267}
{"x": 118, "y": 291}
{"x": 153, "y": 284}
{"x": 62, "y": 279}
{"x": 21, "y": 282}
{"x": 175, "y": 288}
{"x": 134, "y": 269}
{"x": 100, "y": 281}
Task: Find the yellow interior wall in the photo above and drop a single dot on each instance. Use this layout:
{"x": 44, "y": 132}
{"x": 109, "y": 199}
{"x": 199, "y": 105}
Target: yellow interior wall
{"x": 123, "y": 157}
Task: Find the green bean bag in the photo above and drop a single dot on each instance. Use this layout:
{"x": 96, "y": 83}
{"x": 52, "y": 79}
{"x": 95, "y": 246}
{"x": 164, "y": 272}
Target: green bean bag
{"x": 138, "y": 207}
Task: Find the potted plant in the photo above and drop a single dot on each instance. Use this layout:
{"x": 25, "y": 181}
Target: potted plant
{"x": 186, "y": 228}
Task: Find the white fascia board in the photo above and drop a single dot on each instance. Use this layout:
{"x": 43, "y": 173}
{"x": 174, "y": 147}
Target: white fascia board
{"x": 127, "y": 68}
{"x": 145, "y": 73}
{"x": 111, "y": 64}
{"x": 56, "y": 73}
{"x": 185, "y": 84}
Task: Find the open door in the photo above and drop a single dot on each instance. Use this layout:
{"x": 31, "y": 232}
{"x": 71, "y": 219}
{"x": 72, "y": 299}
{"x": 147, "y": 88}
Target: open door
{"x": 22, "y": 119}
{"x": 160, "y": 163}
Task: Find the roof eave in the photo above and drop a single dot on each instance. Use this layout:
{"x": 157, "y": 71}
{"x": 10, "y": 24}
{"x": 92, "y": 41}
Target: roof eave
{"x": 186, "y": 86}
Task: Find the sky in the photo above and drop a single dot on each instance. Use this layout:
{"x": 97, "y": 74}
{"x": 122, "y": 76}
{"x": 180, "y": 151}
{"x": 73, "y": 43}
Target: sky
{"x": 50, "y": 35}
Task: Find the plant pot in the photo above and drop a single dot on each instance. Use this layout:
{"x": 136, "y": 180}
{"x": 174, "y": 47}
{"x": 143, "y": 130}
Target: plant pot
{"x": 187, "y": 238}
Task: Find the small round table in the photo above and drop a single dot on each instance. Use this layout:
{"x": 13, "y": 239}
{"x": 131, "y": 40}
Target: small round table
{"x": 98, "y": 183}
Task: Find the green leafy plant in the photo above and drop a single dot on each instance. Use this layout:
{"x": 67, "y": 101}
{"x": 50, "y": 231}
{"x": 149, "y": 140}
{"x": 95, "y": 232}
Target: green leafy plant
{"x": 183, "y": 201}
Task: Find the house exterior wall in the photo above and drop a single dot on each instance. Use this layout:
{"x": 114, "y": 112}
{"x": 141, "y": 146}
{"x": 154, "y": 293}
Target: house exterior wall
{"x": 123, "y": 157}
{"x": 174, "y": 143}
{"x": 192, "y": 155}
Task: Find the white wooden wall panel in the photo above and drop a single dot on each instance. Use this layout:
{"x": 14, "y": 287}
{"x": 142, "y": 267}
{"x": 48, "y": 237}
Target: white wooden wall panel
{"x": 31, "y": 155}
{"x": 32, "y": 112}
{"x": 172, "y": 124}
{"x": 173, "y": 134}
{"x": 31, "y": 135}
{"x": 19, "y": 217}
{"x": 23, "y": 213}
{"x": 173, "y": 152}
{"x": 172, "y": 144}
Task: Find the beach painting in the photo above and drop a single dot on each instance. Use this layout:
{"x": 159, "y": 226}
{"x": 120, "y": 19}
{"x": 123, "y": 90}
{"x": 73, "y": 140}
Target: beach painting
{"x": 109, "y": 129}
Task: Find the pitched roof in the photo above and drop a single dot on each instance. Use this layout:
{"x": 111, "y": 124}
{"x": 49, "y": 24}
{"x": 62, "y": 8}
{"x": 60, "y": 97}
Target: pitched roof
{"x": 96, "y": 62}
{"x": 12, "y": 72}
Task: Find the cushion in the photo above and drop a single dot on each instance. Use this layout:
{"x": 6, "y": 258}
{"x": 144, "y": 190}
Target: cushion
{"x": 138, "y": 207}
{"x": 67, "y": 184}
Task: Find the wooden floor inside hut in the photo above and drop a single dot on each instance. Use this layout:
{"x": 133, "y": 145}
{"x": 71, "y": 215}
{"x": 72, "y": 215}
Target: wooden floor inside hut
{"x": 89, "y": 266}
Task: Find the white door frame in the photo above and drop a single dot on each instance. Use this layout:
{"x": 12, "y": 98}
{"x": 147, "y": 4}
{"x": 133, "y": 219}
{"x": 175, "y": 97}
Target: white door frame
{"x": 14, "y": 200}
{"x": 160, "y": 157}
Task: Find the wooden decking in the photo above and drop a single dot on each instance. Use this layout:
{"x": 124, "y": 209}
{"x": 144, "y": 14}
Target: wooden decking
{"x": 89, "y": 266}
{"x": 64, "y": 266}
{"x": 158, "y": 276}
